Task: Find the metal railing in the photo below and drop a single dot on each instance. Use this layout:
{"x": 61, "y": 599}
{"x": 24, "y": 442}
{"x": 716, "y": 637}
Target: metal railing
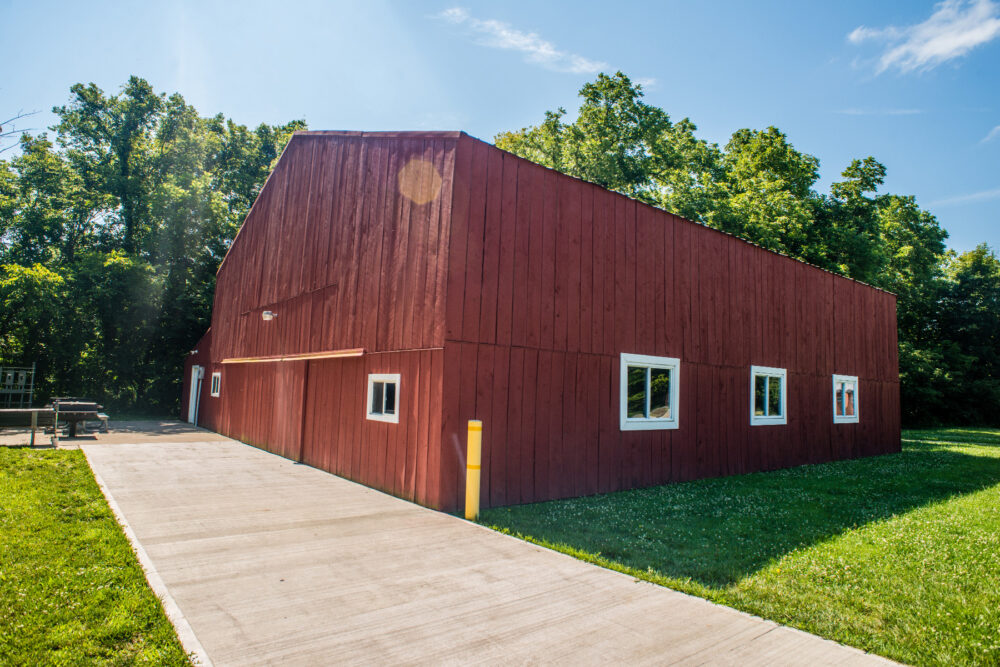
{"x": 17, "y": 385}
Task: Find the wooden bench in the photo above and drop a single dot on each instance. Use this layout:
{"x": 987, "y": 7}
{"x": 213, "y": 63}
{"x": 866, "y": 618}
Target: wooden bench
{"x": 103, "y": 418}
{"x": 33, "y": 418}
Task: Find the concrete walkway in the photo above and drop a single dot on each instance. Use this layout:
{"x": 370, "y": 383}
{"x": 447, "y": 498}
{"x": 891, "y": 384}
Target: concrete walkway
{"x": 265, "y": 561}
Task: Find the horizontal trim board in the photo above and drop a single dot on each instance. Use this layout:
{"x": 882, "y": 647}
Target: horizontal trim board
{"x": 329, "y": 354}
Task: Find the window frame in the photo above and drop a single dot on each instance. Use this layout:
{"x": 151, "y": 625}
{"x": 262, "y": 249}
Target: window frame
{"x": 673, "y": 365}
{"x": 847, "y": 419}
{"x": 215, "y": 388}
{"x": 769, "y": 372}
{"x": 385, "y": 378}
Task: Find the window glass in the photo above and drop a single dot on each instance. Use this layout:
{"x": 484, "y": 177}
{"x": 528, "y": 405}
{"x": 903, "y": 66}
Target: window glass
{"x": 390, "y": 398}
{"x": 849, "y": 400}
{"x": 659, "y": 393}
{"x": 377, "y": 397}
{"x": 774, "y": 397}
{"x": 760, "y": 395}
{"x": 636, "y": 392}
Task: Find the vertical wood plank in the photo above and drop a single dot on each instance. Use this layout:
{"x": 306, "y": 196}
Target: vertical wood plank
{"x": 508, "y": 242}
{"x": 501, "y": 430}
{"x": 530, "y": 444}
{"x": 491, "y": 248}
{"x": 515, "y": 440}
{"x": 474, "y": 247}
{"x": 586, "y": 323}
{"x": 523, "y": 289}
{"x": 458, "y": 238}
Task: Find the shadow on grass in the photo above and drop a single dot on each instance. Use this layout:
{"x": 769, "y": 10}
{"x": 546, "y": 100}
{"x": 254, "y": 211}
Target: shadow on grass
{"x": 718, "y": 531}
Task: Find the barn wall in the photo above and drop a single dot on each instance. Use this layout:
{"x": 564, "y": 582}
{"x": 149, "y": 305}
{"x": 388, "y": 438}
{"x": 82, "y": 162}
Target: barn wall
{"x": 551, "y": 278}
{"x": 336, "y": 248}
{"x": 394, "y": 458}
{"x": 259, "y": 404}
{"x": 508, "y": 297}
{"x": 347, "y": 243}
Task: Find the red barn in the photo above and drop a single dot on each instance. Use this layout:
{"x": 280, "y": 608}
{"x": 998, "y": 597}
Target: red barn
{"x": 387, "y": 287}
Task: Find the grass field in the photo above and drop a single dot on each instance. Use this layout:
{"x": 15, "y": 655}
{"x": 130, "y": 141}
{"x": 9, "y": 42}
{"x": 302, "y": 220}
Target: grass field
{"x": 898, "y": 555}
{"x": 71, "y": 590}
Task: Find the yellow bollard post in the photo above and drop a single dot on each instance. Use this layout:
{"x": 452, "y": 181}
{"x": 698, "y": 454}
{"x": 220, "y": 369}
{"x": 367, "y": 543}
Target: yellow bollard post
{"x": 473, "y": 467}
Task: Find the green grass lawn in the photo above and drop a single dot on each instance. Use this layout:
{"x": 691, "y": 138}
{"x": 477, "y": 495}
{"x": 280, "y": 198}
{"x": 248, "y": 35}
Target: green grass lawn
{"x": 898, "y": 555}
{"x": 71, "y": 590}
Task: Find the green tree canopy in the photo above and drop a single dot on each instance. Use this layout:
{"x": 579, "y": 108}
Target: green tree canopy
{"x": 123, "y": 218}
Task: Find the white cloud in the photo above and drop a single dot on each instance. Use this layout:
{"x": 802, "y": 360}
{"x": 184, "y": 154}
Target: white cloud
{"x": 955, "y": 28}
{"x": 991, "y": 135}
{"x": 645, "y": 82}
{"x": 879, "y": 112}
{"x": 985, "y": 195}
{"x": 500, "y": 35}
{"x": 861, "y": 33}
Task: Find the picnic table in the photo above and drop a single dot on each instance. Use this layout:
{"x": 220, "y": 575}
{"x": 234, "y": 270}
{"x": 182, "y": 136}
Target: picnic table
{"x": 73, "y": 410}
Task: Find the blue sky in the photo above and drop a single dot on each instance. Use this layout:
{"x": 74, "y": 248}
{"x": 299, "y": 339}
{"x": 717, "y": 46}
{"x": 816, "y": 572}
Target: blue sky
{"x": 915, "y": 84}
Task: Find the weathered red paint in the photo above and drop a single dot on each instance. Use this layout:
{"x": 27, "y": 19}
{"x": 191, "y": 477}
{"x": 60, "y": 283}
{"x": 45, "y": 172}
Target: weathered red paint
{"x": 508, "y": 297}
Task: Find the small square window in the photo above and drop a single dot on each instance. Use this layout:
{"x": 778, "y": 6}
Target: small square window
{"x": 649, "y": 392}
{"x": 216, "y": 384}
{"x": 845, "y": 399}
{"x": 768, "y": 401}
{"x": 383, "y": 397}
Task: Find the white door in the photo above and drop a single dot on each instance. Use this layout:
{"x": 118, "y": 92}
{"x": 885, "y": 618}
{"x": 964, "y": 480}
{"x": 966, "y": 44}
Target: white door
{"x": 197, "y": 372}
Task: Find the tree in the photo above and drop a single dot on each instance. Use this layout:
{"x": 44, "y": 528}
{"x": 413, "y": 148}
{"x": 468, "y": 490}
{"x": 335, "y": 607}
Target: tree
{"x": 108, "y": 141}
{"x": 38, "y": 325}
{"x": 132, "y": 207}
{"x": 849, "y": 222}
{"x": 911, "y": 246}
{"x": 56, "y": 214}
{"x": 970, "y": 318}
{"x": 769, "y": 191}
{"x": 9, "y": 130}
{"x": 617, "y": 140}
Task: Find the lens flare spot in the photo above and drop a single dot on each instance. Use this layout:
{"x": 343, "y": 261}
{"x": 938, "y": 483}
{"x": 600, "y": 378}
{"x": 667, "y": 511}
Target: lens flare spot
{"x": 419, "y": 181}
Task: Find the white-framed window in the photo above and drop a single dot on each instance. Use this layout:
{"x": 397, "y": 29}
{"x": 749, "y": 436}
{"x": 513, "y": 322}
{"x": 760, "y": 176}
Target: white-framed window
{"x": 216, "y": 384}
{"x": 383, "y": 397}
{"x": 845, "y": 399}
{"x": 650, "y": 391}
{"x": 768, "y": 395}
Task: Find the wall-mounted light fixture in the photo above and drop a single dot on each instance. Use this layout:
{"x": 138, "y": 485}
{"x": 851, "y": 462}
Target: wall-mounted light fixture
{"x": 267, "y": 315}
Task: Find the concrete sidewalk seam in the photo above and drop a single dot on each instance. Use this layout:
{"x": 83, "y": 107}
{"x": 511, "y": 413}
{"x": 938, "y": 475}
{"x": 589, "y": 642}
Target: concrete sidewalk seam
{"x": 185, "y": 633}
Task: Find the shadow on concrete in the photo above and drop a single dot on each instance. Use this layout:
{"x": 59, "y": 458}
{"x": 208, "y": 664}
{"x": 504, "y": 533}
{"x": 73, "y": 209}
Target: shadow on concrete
{"x": 154, "y": 426}
{"x": 138, "y": 432}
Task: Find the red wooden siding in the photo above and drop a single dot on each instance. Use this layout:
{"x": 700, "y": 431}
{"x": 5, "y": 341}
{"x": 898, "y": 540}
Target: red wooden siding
{"x": 334, "y": 247}
{"x": 389, "y": 457}
{"x": 348, "y": 256}
{"x": 508, "y": 296}
{"x": 551, "y": 279}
